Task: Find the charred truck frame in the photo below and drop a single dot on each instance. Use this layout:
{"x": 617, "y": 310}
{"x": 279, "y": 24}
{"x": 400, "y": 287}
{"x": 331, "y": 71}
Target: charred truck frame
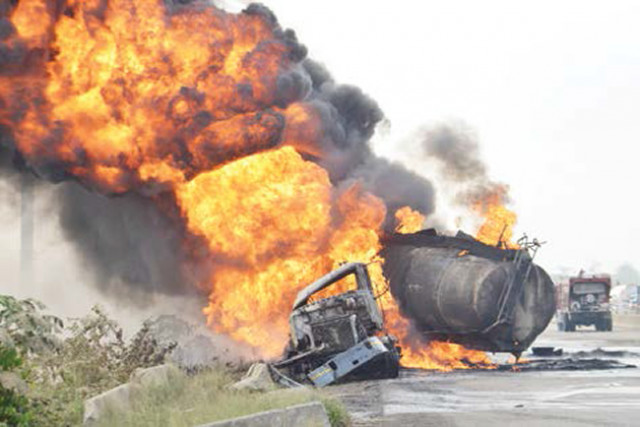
{"x": 340, "y": 337}
{"x": 453, "y": 289}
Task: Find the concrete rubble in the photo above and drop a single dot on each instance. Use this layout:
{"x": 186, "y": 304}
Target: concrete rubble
{"x": 119, "y": 398}
{"x": 96, "y": 407}
{"x": 155, "y": 376}
{"x": 306, "y": 415}
{"x": 257, "y": 378}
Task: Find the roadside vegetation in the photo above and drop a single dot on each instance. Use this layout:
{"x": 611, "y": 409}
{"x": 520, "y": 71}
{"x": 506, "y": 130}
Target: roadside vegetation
{"x": 204, "y": 397}
{"x": 48, "y": 368}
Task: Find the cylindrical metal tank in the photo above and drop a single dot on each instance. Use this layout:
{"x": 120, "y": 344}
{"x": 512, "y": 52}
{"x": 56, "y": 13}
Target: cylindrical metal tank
{"x": 460, "y": 290}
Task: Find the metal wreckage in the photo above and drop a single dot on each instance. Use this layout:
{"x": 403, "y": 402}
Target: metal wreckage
{"x": 455, "y": 289}
{"x": 340, "y": 336}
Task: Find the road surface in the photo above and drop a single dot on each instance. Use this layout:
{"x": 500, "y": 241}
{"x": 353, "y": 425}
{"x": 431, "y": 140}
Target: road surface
{"x": 503, "y": 397}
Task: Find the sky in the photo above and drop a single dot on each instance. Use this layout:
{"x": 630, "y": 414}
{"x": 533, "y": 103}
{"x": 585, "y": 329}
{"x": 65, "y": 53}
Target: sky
{"x": 551, "y": 89}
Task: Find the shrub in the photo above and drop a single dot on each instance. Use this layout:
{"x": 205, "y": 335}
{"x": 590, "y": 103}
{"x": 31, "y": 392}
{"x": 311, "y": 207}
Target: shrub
{"x": 15, "y": 408}
{"x": 337, "y": 413}
{"x": 23, "y": 326}
{"x": 65, "y": 365}
{"x": 92, "y": 358}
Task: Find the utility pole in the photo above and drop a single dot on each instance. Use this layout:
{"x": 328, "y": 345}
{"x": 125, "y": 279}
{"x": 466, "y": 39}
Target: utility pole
{"x": 26, "y": 231}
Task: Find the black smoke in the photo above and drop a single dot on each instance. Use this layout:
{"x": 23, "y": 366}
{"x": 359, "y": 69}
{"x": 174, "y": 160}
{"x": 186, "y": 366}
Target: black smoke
{"x": 127, "y": 241}
{"x": 396, "y": 185}
{"x": 350, "y": 118}
{"x": 131, "y": 246}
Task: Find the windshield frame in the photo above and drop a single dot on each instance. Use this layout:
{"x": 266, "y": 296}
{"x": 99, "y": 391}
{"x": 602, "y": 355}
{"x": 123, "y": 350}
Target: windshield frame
{"x": 591, "y": 288}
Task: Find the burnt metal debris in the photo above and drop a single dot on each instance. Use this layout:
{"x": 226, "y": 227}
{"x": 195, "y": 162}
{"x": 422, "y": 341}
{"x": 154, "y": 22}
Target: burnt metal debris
{"x": 460, "y": 290}
{"x": 340, "y": 337}
{"x": 454, "y": 289}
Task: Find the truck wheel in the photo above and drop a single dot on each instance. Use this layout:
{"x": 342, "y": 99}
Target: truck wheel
{"x": 599, "y": 324}
{"x": 571, "y": 327}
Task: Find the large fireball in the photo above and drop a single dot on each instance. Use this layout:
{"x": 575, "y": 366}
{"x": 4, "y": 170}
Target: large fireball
{"x": 212, "y": 116}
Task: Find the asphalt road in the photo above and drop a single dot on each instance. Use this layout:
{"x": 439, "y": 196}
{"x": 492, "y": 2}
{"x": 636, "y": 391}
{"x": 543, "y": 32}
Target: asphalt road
{"x": 544, "y": 397}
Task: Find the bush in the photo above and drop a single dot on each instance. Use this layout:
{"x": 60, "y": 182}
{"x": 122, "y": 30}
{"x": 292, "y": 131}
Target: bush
{"x": 23, "y": 326}
{"x": 24, "y": 333}
{"x": 15, "y": 408}
{"x": 93, "y": 358}
{"x": 65, "y": 365}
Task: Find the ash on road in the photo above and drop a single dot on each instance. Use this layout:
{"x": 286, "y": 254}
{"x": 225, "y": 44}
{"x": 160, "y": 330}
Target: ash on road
{"x": 572, "y": 395}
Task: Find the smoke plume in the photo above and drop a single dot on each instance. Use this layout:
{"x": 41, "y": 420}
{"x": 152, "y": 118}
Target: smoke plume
{"x": 455, "y": 148}
{"x": 118, "y": 167}
{"x": 132, "y": 246}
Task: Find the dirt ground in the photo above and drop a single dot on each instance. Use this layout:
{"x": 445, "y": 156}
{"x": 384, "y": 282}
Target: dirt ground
{"x": 545, "y": 397}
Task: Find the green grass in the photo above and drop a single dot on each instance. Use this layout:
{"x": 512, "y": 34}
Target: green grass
{"x": 190, "y": 401}
{"x": 338, "y": 415}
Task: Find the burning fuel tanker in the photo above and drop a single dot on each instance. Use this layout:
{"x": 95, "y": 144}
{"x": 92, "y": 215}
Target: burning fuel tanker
{"x": 461, "y": 290}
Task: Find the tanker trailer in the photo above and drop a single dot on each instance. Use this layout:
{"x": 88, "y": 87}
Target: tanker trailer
{"x": 460, "y": 290}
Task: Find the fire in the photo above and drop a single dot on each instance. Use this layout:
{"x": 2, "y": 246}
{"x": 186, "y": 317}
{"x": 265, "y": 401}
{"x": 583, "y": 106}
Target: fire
{"x": 497, "y": 229}
{"x": 140, "y": 96}
{"x": 416, "y": 353}
{"x": 444, "y": 356}
{"x": 271, "y": 225}
{"x": 134, "y": 85}
{"x": 434, "y": 355}
{"x": 187, "y": 102}
{"x": 409, "y": 221}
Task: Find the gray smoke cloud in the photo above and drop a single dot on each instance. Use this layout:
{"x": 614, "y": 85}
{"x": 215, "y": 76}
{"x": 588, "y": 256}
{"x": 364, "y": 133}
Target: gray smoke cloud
{"x": 397, "y": 186}
{"x": 455, "y": 147}
{"x": 350, "y": 119}
{"x": 131, "y": 246}
{"x": 11, "y": 165}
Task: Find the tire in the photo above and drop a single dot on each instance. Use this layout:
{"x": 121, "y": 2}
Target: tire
{"x": 604, "y": 324}
{"x": 600, "y": 325}
{"x": 571, "y": 327}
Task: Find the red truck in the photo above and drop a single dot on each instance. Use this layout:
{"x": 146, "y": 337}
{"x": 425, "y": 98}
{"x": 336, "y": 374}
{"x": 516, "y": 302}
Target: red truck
{"x": 584, "y": 300}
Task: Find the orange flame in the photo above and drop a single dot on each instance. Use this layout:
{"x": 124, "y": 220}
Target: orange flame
{"x": 270, "y": 217}
{"x": 127, "y": 95}
{"x": 497, "y": 229}
{"x": 409, "y": 221}
{"x": 417, "y": 353}
{"x": 132, "y": 86}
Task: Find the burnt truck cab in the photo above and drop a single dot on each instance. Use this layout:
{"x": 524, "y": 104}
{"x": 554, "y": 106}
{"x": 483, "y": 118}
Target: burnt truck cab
{"x": 584, "y": 301}
{"x": 341, "y": 336}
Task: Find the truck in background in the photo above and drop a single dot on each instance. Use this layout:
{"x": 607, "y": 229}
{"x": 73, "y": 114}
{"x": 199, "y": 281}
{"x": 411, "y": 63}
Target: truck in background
{"x": 584, "y": 301}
